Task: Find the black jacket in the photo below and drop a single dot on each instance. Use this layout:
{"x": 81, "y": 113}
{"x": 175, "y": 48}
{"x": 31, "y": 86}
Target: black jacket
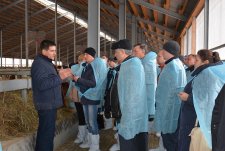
{"x": 46, "y": 84}
{"x": 86, "y": 81}
{"x": 110, "y": 79}
{"x": 218, "y": 122}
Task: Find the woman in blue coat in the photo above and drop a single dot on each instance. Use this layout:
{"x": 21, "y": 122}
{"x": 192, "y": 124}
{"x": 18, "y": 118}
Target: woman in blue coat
{"x": 188, "y": 116}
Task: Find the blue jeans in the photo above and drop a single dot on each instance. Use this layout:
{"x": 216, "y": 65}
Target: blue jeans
{"x": 46, "y": 130}
{"x": 90, "y": 113}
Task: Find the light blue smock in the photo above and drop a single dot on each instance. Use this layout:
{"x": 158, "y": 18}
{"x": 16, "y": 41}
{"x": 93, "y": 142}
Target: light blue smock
{"x": 76, "y": 70}
{"x": 149, "y": 64}
{"x": 188, "y": 75}
{"x": 132, "y": 98}
{"x": 206, "y": 87}
{"x": 172, "y": 80}
{"x": 100, "y": 73}
{"x": 159, "y": 70}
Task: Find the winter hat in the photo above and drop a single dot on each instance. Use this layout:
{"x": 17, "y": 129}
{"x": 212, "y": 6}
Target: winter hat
{"x": 112, "y": 59}
{"x": 122, "y": 44}
{"x": 172, "y": 47}
{"x": 91, "y": 51}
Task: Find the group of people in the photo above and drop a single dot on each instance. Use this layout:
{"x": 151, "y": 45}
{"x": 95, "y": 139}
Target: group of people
{"x": 140, "y": 86}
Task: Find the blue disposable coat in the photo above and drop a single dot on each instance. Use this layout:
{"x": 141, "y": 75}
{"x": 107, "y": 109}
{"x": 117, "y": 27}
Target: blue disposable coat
{"x": 206, "y": 87}
{"x": 171, "y": 81}
{"x": 100, "y": 73}
{"x": 149, "y": 64}
{"x": 76, "y": 70}
{"x": 132, "y": 98}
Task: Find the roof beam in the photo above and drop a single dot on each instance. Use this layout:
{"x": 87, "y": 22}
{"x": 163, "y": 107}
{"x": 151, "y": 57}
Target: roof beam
{"x": 32, "y": 15}
{"x": 49, "y": 21}
{"x": 63, "y": 55}
{"x": 157, "y": 25}
{"x": 10, "y": 5}
{"x": 160, "y": 9}
{"x": 69, "y": 23}
{"x": 115, "y": 11}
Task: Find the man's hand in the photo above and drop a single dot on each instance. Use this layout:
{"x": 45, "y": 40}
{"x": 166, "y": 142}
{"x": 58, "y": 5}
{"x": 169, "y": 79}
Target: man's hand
{"x": 183, "y": 96}
{"x": 65, "y": 73}
{"x": 75, "y": 78}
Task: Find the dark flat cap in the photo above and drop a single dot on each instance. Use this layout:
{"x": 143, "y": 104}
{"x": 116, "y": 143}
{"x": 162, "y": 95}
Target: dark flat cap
{"x": 122, "y": 44}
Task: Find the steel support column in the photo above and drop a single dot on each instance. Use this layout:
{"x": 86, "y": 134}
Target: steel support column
{"x": 56, "y": 29}
{"x": 74, "y": 39}
{"x": 142, "y": 36}
{"x": 36, "y": 47}
{"x": 13, "y": 60}
{"x": 105, "y": 40}
{"x": 134, "y": 30}
{"x": 110, "y": 50}
{"x": 21, "y": 50}
{"x": 24, "y": 91}
{"x": 67, "y": 55}
{"x": 122, "y": 19}
{"x": 94, "y": 25}
{"x": 187, "y": 46}
{"x": 26, "y": 31}
{"x": 1, "y": 45}
{"x": 58, "y": 50}
{"x": 206, "y": 24}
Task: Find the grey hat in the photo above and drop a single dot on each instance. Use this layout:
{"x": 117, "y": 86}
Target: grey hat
{"x": 172, "y": 47}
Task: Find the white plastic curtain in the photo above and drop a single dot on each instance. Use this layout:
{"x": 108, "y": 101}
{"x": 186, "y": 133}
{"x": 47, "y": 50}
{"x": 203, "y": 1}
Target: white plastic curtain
{"x": 200, "y": 31}
{"x": 216, "y": 23}
{"x": 189, "y": 40}
{"x": 185, "y": 44}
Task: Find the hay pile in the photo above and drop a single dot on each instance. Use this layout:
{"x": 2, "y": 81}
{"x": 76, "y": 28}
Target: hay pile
{"x": 18, "y": 118}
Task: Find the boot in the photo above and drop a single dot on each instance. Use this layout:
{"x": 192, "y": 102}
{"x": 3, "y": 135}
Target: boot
{"x": 115, "y": 147}
{"x": 87, "y": 141}
{"x": 94, "y": 143}
{"x": 108, "y": 123}
{"x": 82, "y": 130}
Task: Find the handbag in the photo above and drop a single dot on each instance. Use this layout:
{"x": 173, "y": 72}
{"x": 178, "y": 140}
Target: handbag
{"x": 198, "y": 142}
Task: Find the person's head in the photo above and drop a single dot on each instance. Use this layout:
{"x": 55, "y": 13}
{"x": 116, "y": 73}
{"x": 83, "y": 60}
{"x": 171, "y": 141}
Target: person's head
{"x": 111, "y": 62}
{"x": 81, "y": 58}
{"x": 48, "y": 49}
{"x": 71, "y": 64}
{"x": 191, "y": 59}
{"x": 105, "y": 59}
{"x": 185, "y": 60}
{"x": 206, "y": 56}
{"x": 171, "y": 49}
{"x": 160, "y": 59}
{"x": 139, "y": 50}
{"x": 122, "y": 49}
{"x": 89, "y": 54}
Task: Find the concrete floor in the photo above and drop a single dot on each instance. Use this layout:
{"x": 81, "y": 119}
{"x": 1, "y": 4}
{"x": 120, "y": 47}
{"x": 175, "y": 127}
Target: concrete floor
{"x": 106, "y": 141}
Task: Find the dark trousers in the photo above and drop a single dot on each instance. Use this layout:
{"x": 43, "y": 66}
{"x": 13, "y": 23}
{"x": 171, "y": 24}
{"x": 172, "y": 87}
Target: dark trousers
{"x": 80, "y": 113}
{"x": 170, "y": 141}
{"x": 184, "y": 139}
{"x": 46, "y": 130}
{"x": 138, "y": 143}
